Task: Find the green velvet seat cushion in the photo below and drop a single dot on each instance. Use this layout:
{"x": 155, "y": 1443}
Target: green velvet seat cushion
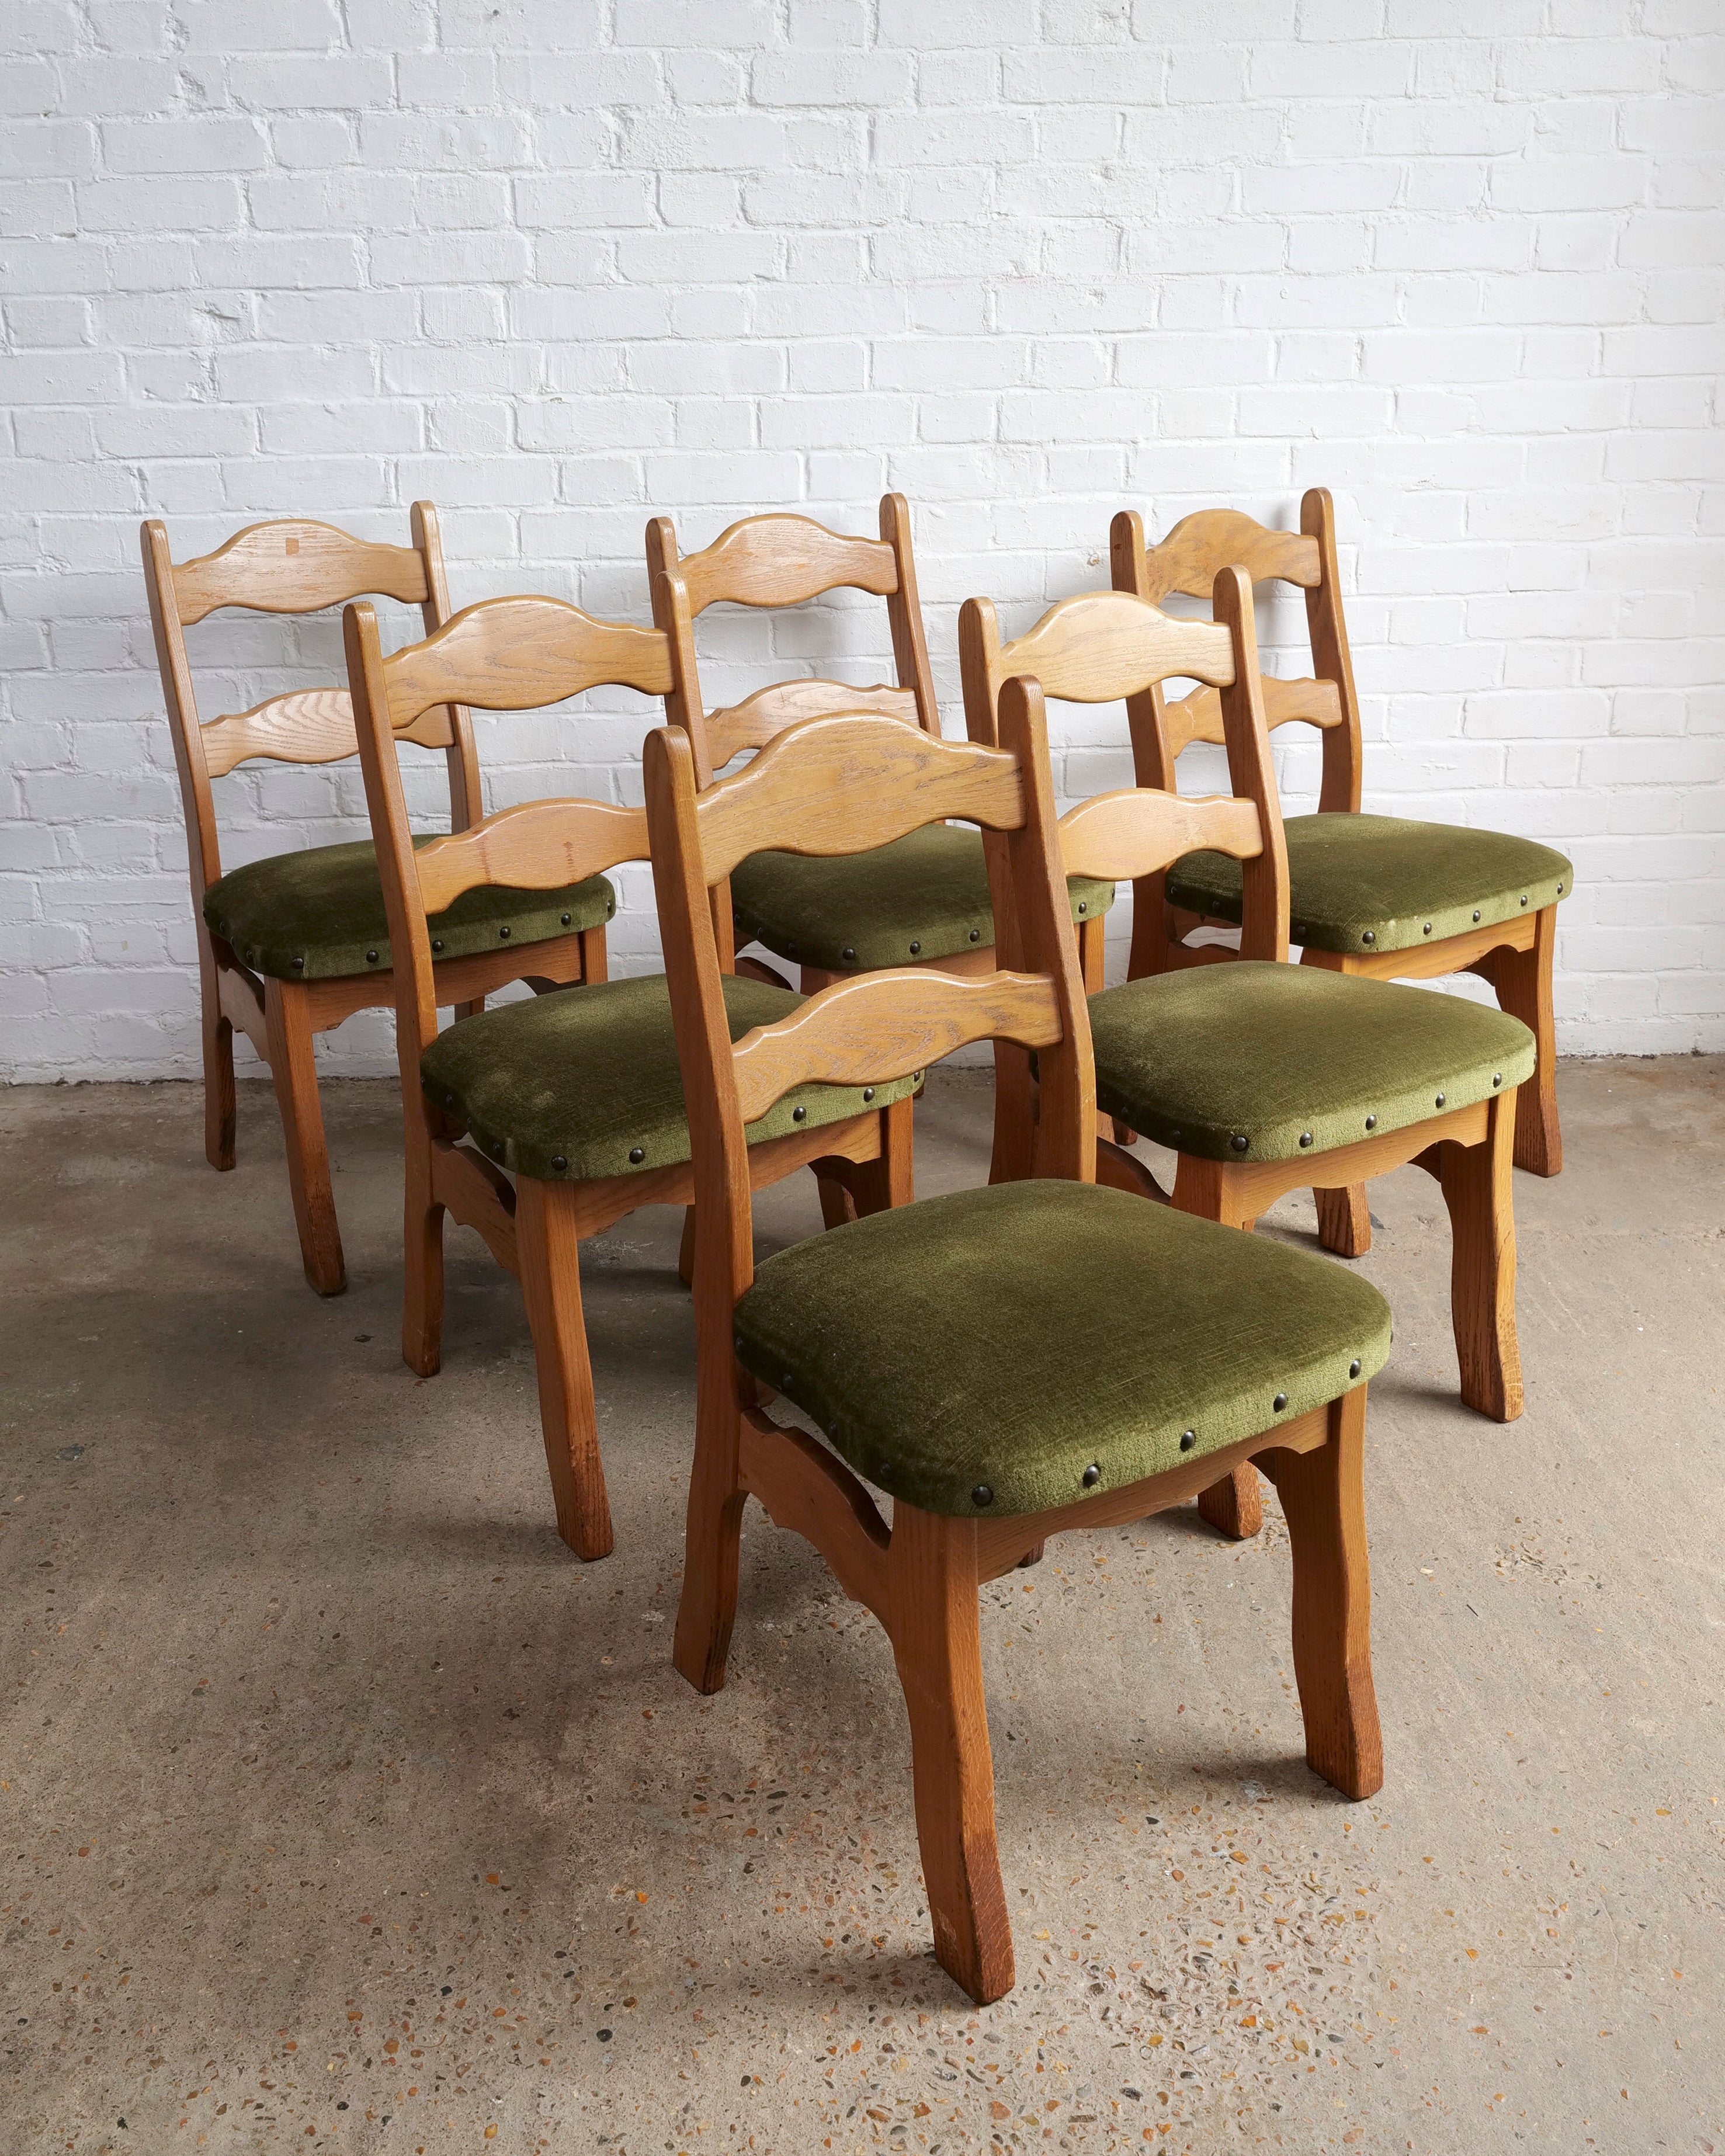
{"x": 977, "y": 1353}
{"x": 1201, "y": 1059}
{"x": 1381, "y": 883}
{"x": 925, "y": 896}
{"x": 318, "y": 914}
{"x": 574, "y": 1084}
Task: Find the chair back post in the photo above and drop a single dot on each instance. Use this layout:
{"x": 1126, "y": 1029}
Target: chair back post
{"x": 683, "y": 706}
{"x": 1343, "y": 757}
{"x": 466, "y": 798}
{"x": 1029, "y": 899}
{"x": 409, "y": 937}
{"x": 203, "y": 845}
{"x": 1145, "y": 713}
{"x": 1264, "y": 920}
{"x": 903, "y": 615}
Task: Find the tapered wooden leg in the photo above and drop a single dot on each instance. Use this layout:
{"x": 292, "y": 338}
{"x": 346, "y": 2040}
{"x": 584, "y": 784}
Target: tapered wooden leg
{"x": 1479, "y": 1191}
{"x": 421, "y": 1313}
{"x": 1014, "y": 1114}
{"x": 288, "y": 1029}
{"x": 837, "y": 1205}
{"x": 711, "y": 1536}
{"x": 685, "y": 1249}
{"x": 549, "y": 1248}
{"x": 1234, "y": 1507}
{"x": 220, "y": 1102}
{"x": 1092, "y": 953}
{"x": 1344, "y": 1220}
{"x": 1523, "y": 982}
{"x": 595, "y": 965}
{"x": 1323, "y": 1495}
{"x": 936, "y": 1643}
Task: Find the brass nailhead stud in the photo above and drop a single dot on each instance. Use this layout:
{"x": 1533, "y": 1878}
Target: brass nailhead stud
{"x": 784, "y": 1383}
{"x": 1476, "y": 913}
{"x": 1441, "y": 1099}
{"x": 1496, "y": 1077}
{"x": 1306, "y": 1137}
{"x": 1353, "y": 1369}
{"x": 976, "y": 934}
{"x": 1084, "y": 905}
{"x": 982, "y": 1494}
{"x": 1188, "y": 1438}
{"x": 1426, "y": 931}
{"x": 1560, "y": 890}
{"x": 915, "y": 948}
{"x": 848, "y": 953}
{"x": 737, "y": 1343}
{"x": 798, "y": 1114}
{"x": 1371, "y": 1122}
{"x": 499, "y": 1148}
{"x": 503, "y": 932}
{"x": 1298, "y": 931}
{"x": 564, "y": 918}
{"x": 448, "y": 1100}
{"x": 1524, "y": 898}
{"x": 868, "y": 1092}
{"x": 298, "y": 965}
{"x": 437, "y": 943}
{"x": 1239, "y": 1142}
{"x": 1279, "y": 1403}
{"x": 1091, "y": 1475}
{"x": 371, "y": 958}
{"x": 559, "y": 1162}
{"x": 637, "y": 1154}
{"x": 610, "y": 907}
{"x": 1370, "y": 936}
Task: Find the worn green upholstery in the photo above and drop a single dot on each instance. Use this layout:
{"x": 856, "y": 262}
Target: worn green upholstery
{"x": 1201, "y": 1059}
{"x": 925, "y": 896}
{"x": 318, "y": 914}
{"x": 574, "y": 1084}
{"x": 977, "y": 1353}
{"x": 1381, "y": 883}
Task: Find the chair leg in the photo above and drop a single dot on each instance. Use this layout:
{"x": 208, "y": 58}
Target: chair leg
{"x": 548, "y": 1245}
{"x": 287, "y": 1023}
{"x": 1479, "y": 1191}
{"x": 936, "y": 1643}
{"x": 422, "y": 1315}
{"x": 1234, "y": 1507}
{"x": 712, "y": 1531}
{"x": 1522, "y": 981}
{"x": 220, "y": 1102}
{"x": 1015, "y": 1154}
{"x": 1344, "y": 1220}
{"x": 1323, "y": 1494}
{"x": 837, "y": 1205}
{"x": 685, "y": 1249}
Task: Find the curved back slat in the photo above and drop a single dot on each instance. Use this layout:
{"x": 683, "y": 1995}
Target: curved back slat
{"x": 307, "y": 726}
{"x": 752, "y": 723}
{"x": 782, "y": 560}
{"x": 843, "y": 784}
{"x": 537, "y": 845}
{"x": 886, "y": 1025}
{"x": 1104, "y": 645}
{"x": 1199, "y": 716}
{"x": 1211, "y": 539}
{"x": 515, "y": 654}
{"x": 1120, "y": 837}
{"x": 292, "y": 565}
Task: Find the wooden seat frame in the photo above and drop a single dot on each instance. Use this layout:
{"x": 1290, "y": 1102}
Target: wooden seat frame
{"x": 783, "y": 561}
{"x": 294, "y": 565}
{"x": 1515, "y": 956}
{"x": 1108, "y": 646}
{"x": 517, "y": 655}
{"x": 841, "y": 783}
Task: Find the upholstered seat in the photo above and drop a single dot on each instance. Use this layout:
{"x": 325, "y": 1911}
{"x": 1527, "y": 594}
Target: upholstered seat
{"x": 980, "y": 1353}
{"x": 1381, "y": 883}
{"x": 922, "y": 896}
{"x": 318, "y": 914}
{"x": 584, "y": 1082}
{"x": 1245, "y": 1061}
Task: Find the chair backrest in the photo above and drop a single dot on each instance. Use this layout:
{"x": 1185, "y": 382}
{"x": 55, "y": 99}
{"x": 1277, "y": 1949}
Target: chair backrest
{"x": 1104, "y": 647}
{"x": 837, "y": 785}
{"x": 1188, "y": 561}
{"x": 782, "y": 561}
{"x": 290, "y": 565}
{"x": 508, "y": 655}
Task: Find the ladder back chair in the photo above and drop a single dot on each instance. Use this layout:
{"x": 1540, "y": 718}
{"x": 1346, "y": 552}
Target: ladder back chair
{"x": 290, "y": 946}
{"x": 926, "y": 1344}
{"x": 1259, "y": 1075}
{"x": 1380, "y": 896}
{"x": 575, "y": 1095}
{"x": 923, "y": 899}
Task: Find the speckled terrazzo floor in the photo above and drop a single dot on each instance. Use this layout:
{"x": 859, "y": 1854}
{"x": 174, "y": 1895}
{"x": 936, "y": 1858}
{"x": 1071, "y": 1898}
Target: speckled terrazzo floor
{"x": 344, "y": 1809}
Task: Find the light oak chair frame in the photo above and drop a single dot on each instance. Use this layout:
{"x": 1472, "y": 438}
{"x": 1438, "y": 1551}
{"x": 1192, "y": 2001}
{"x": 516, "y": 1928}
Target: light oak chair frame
{"x": 294, "y": 565}
{"x": 845, "y": 783}
{"x": 517, "y": 654}
{"x": 783, "y": 560}
{"x": 1108, "y": 646}
{"x": 1515, "y": 956}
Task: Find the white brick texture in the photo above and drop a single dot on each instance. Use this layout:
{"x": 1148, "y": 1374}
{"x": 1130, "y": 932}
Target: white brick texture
{"x": 562, "y": 264}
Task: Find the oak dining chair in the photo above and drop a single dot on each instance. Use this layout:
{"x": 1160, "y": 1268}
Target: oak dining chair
{"x": 292, "y": 945}
{"x": 926, "y": 1343}
{"x": 1381, "y": 897}
{"x": 543, "y": 1122}
{"x": 1262, "y": 1077}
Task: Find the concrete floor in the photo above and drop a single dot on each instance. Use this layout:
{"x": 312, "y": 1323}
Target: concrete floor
{"x": 348, "y": 1810}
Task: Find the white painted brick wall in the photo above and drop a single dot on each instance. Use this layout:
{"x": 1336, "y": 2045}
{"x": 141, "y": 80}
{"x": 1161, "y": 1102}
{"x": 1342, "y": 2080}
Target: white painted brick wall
{"x": 558, "y": 263}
